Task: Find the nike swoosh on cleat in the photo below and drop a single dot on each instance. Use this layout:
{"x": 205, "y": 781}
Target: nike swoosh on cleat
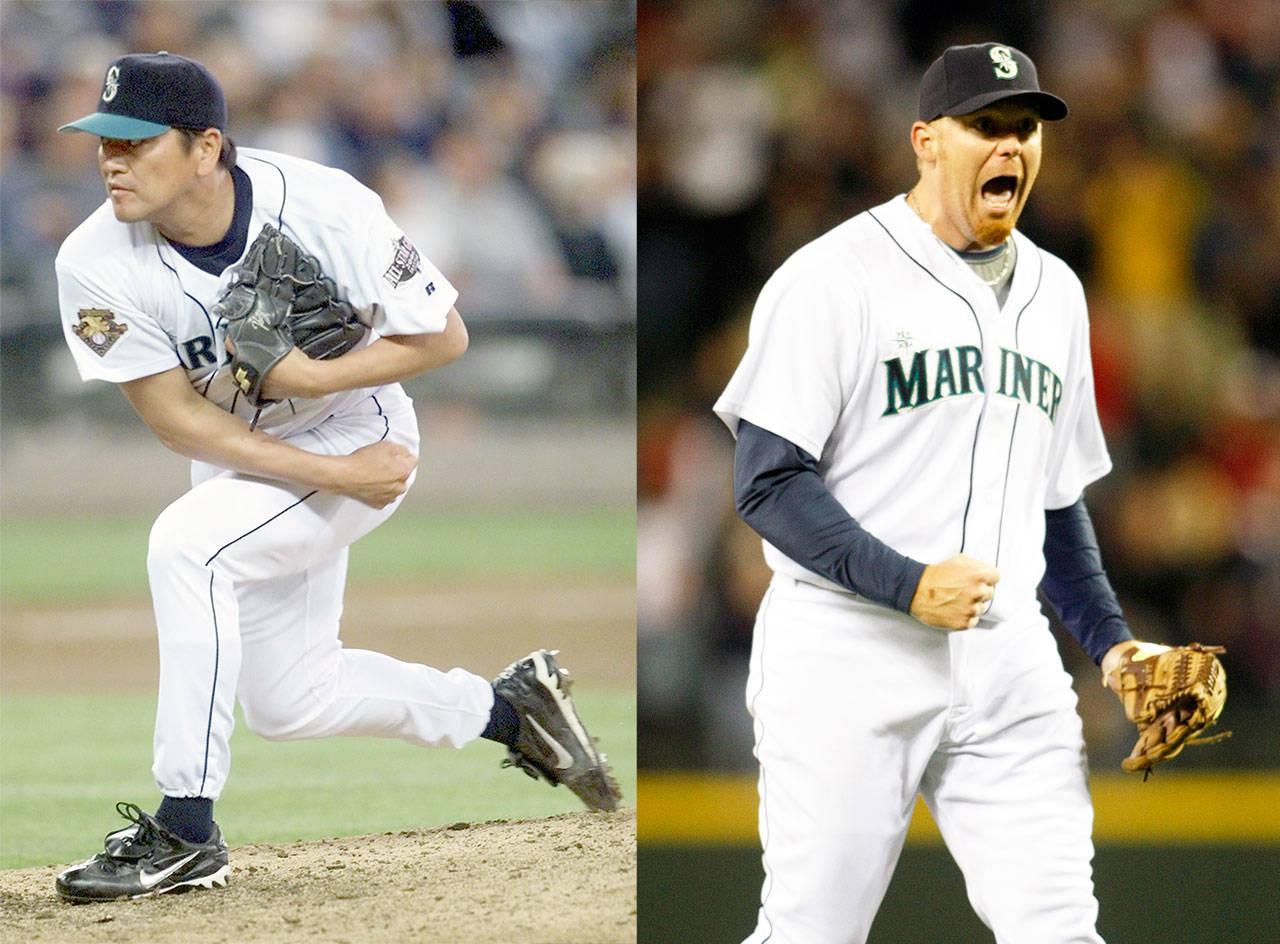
{"x": 552, "y": 685}
{"x": 564, "y": 759}
{"x": 150, "y": 879}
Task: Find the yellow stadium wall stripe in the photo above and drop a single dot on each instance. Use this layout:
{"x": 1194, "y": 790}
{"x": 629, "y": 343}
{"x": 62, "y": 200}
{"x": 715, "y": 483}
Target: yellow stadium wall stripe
{"x": 1171, "y": 807}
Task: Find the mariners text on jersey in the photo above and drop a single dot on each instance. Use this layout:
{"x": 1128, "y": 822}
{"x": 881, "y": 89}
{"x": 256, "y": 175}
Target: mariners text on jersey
{"x": 952, "y": 372}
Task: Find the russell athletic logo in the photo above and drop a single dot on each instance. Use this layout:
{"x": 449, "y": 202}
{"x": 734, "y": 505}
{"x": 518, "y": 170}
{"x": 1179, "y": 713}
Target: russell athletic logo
{"x": 928, "y": 376}
{"x": 1006, "y": 65}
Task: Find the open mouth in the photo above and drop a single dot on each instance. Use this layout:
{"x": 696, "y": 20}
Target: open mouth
{"x": 998, "y": 192}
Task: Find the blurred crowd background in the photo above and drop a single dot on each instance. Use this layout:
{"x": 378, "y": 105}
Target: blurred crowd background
{"x": 501, "y": 137}
{"x": 764, "y": 123}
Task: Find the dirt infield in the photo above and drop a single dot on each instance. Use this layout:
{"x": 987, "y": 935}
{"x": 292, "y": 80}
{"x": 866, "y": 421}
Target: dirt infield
{"x": 567, "y": 879}
{"x": 481, "y": 626}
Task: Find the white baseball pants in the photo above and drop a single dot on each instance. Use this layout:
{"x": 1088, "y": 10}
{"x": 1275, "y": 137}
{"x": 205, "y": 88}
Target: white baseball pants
{"x": 858, "y": 708}
{"x": 247, "y": 579}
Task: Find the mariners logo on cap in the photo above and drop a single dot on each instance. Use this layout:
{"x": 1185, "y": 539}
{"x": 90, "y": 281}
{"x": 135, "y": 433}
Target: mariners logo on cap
{"x": 112, "y": 84}
{"x": 1006, "y": 65}
{"x": 99, "y": 329}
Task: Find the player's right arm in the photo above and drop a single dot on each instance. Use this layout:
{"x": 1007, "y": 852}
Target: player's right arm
{"x": 192, "y": 426}
{"x": 780, "y": 493}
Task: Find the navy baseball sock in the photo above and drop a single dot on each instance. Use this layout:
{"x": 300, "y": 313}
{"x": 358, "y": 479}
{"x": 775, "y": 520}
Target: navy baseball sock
{"x": 504, "y": 723}
{"x": 189, "y": 817}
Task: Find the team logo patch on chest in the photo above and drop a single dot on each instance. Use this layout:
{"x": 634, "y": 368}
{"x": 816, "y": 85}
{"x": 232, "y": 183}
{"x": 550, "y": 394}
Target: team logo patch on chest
{"x": 405, "y": 265}
{"x": 99, "y": 329}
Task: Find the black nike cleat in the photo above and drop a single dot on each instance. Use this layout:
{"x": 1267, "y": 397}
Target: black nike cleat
{"x": 553, "y": 743}
{"x": 145, "y": 859}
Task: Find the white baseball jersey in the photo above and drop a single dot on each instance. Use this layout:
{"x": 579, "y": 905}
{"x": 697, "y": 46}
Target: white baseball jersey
{"x": 247, "y": 574}
{"x": 941, "y": 423}
{"x": 944, "y": 423}
{"x": 133, "y": 306}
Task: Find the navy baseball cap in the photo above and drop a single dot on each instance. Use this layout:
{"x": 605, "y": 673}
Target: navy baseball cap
{"x": 966, "y": 78}
{"x": 146, "y": 94}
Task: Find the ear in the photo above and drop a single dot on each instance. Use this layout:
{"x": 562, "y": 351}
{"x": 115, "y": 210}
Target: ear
{"x": 924, "y": 141}
{"x": 209, "y": 146}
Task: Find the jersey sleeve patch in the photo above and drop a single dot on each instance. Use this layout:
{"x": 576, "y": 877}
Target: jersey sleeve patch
{"x": 98, "y": 328}
{"x": 405, "y": 263}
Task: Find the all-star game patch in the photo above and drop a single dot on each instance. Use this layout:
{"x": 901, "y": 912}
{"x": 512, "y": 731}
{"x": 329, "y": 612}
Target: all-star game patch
{"x": 99, "y": 329}
{"x": 406, "y": 264}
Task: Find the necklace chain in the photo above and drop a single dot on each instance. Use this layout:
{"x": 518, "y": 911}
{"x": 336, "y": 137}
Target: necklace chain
{"x": 1006, "y": 258}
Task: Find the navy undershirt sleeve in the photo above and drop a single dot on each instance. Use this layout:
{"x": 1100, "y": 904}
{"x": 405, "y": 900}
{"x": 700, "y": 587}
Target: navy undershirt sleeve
{"x": 779, "y": 492}
{"x": 1075, "y": 583}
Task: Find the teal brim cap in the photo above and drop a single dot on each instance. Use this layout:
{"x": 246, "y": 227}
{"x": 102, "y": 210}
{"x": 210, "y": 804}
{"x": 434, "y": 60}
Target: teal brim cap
{"x": 146, "y": 94}
{"x": 116, "y": 127}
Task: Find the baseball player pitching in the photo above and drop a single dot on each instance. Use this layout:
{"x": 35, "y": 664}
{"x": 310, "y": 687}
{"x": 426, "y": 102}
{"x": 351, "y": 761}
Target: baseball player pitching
{"x": 915, "y": 426}
{"x": 258, "y": 311}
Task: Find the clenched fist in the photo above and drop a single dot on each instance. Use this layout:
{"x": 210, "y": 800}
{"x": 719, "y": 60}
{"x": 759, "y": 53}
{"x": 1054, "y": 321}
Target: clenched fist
{"x": 953, "y": 594}
{"x": 378, "y": 474}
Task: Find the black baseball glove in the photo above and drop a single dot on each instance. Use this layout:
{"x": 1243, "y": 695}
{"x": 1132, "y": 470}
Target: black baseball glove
{"x": 279, "y": 299}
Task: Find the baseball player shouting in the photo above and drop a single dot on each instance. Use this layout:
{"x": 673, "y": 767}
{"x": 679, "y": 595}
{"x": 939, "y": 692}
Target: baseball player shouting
{"x": 258, "y": 311}
{"x": 915, "y": 426}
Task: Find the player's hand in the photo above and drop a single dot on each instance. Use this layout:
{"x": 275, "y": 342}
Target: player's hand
{"x": 291, "y": 376}
{"x": 953, "y": 594}
{"x": 1111, "y": 663}
{"x": 377, "y": 474}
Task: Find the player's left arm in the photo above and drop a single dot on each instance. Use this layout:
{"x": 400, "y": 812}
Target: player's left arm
{"x": 389, "y": 359}
{"x": 1171, "y": 693}
{"x": 1076, "y": 585}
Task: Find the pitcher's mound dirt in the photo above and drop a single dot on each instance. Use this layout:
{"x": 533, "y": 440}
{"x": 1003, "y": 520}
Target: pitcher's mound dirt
{"x": 567, "y": 879}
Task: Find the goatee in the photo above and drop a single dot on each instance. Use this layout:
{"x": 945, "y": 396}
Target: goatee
{"x": 990, "y": 233}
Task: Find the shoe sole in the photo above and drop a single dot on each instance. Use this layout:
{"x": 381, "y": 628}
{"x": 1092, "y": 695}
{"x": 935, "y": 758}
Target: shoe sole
{"x": 218, "y": 879}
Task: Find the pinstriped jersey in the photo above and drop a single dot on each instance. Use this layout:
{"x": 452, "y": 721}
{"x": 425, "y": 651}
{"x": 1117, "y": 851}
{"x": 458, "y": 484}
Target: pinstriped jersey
{"x": 943, "y": 422}
{"x": 132, "y": 305}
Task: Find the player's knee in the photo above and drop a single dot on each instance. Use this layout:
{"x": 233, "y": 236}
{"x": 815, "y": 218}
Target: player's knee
{"x": 266, "y": 720}
{"x": 171, "y": 540}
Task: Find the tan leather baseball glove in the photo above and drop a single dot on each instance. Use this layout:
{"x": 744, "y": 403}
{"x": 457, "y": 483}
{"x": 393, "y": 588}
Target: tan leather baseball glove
{"x": 1172, "y": 694}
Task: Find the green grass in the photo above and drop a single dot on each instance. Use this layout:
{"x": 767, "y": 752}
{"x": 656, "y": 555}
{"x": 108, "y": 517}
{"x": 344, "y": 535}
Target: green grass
{"x": 76, "y": 560}
{"x": 66, "y": 759}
